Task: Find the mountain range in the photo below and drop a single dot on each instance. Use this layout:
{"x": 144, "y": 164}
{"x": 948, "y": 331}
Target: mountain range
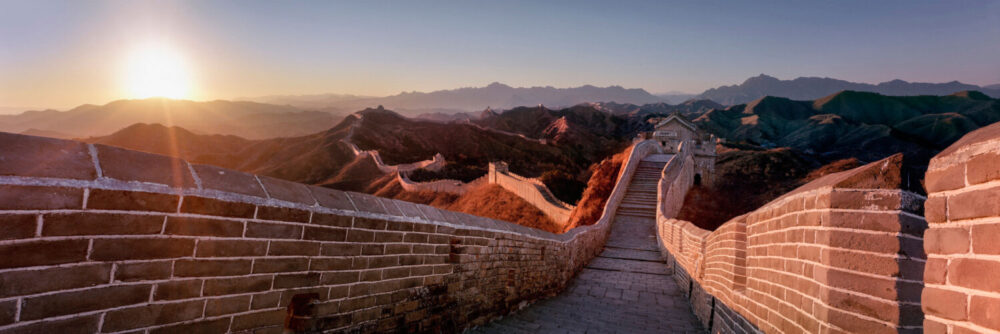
{"x": 245, "y": 119}
{"x": 495, "y": 95}
{"x": 811, "y": 88}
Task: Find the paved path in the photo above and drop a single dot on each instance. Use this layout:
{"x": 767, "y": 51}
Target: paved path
{"x": 626, "y": 289}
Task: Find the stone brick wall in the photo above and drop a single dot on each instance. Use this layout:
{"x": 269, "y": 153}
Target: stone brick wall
{"x": 962, "y": 275}
{"x": 445, "y": 186}
{"x": 841, "y": 254}
{"x": 531, "y": 190}
{"x": 100, "y": 239}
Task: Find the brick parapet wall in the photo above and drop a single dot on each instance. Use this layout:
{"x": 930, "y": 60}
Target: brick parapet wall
{"x": 532, "y": 191}
{"x": 446, "y": 186}
{"x": 101, "y": 239}
{"x": 841, "y": 254}
{"x": 962, "y": 275}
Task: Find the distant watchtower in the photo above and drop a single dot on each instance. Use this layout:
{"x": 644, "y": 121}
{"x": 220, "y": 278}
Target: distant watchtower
{"x": 673, "y": 130}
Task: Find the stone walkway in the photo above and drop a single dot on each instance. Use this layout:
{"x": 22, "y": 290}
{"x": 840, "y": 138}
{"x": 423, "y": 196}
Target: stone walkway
{"x": 626, "y": 289}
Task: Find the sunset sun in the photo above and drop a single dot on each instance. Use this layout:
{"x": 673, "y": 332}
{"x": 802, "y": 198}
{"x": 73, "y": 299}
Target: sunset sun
{"x": 155, "y": 70}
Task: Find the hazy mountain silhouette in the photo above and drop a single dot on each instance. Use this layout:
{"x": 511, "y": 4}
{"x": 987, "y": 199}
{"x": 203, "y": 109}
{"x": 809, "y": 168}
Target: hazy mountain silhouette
{"x": 245, "y": 119}
{"x": 868, "y": 126}
{"x": 811, "y": 88}
{"x": 495, "y": 95}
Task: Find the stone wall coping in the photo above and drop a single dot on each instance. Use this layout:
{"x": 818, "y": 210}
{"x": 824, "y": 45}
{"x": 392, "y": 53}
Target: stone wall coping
{"x": 39, "y": 161}
{"x": 983, "y": 140}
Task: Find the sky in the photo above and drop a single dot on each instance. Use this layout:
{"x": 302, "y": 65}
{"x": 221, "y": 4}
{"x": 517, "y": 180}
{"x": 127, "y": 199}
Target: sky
{"x": 59, "y": 54}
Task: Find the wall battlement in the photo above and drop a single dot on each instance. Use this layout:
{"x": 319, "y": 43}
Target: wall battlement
{"x": 842, "y": 254}
{"x": 102, "y": 239}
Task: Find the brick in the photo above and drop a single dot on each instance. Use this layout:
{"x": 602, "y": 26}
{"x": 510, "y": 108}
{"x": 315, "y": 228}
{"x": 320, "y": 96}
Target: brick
{"x": 296, "y": 280}
{"x": 201, "y": 268}
{"x": 282, "y": 214}
{"x": 76, "y": 325}
{"x": 386, "y": 237}
{"x": 366, "y": 203}
{"x": 228, "y": 180}
{"x": 935, "y": 271}
{"x": 287, "y": 191}
{"x": 326, "y": 264}
{"x": 17, "y": 226}
{"x": 273, "y": 231}
{"x": 340, "y": 249}
{"x": 140, "y": 249}
{"x": 339, "y": 277}
{"x": 948, "y": 178}
{"x": 227, "y": 305}
{"x": 974, "y": 273}
{"x": 8, "y": 312}
{"x": 985, "y": 311}
{"x": 287, "y": 248}
{"x": 325, "y": 234}
{"x": 231, "y": 248}
{"x": 177, "y": 289}
{"x": 203, "y": 227}
{"x": 390, "y": 207}
{"x": 332, "y": 198}
{"x": 214, "y": 207}
{"x": 934, "y": 327}
{"x": 103, "y": 199}
{"x": 73, "y": 302}
{"x": 946, "y": 240}
{"x": 27, "y": 282}
{"x": 974, "y": 204}
{"x": 88, "y": 223}
{"x": 332, "y": 220}
{"x": 199, "y": 327}
{"x": 983, "y": 168}
{"x": 280, "y": 265}
{"x": 258, "y": 319}
{"x": 142, "y": 271}
{"x": 360, "y": 236}
{"x": 984, "y": 239}
{"x": 236, "y": 285}
{"x": 935, "y": 209}
{"x": 152, "y": 315}
{"x": 944, "y": 303}
{"x": 369, "y": 223}
{"x": 265, "y": 300}
{"x": 128, "y": 165}
{"x": 38, "y": 253}
{"x": 32, "y": 156}
{"x": 39, "y": 198}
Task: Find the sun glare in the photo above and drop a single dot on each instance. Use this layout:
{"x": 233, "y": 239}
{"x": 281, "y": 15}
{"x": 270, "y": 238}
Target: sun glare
{"x": 157, "y": 71}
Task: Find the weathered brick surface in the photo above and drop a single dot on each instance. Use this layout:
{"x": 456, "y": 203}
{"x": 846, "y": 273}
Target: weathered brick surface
{"x": 216, "y": 207}
{"x": 203, "y": 227}
{"x": 22, "y": 156}
{"x": 221, "y": 179}
{"x": 32, "y": 281}
{"x": 151, "y": 315}
{"x": 18, "y": 226}
{"x": 37, "y": 253}
{"x": 73, "y": 302}
{"x": 39, "y": 198}
{"x": 141, "y": 249}
{"x": 103, "y": 199}
{"x": 128, "y": 165}
{"x": 86, "y": 223}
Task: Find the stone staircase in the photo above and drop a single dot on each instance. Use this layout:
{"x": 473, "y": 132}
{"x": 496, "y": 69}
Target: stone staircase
{"x": 640, "y": 198}
{"x": 628, "y": 288}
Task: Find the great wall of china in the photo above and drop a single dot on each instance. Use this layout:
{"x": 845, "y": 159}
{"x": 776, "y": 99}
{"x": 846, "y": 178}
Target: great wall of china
{"x": 100, "y": 239}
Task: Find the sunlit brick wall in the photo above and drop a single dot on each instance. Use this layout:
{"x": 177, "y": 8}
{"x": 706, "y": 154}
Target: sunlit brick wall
{"x": 962, "y": 276}
{"x": 841, "y": 254}
{"x": 101, "y": 239}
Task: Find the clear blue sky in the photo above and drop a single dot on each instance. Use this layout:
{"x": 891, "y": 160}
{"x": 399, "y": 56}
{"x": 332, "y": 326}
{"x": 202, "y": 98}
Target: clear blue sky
{"x": 63, "y": 53}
